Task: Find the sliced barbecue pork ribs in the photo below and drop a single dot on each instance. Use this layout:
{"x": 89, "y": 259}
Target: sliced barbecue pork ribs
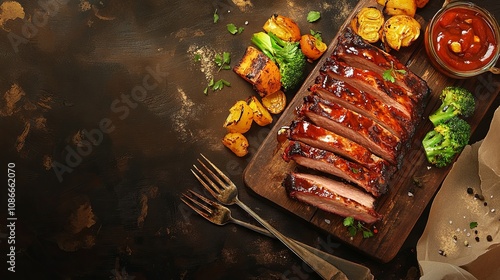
{"x": 352, "y": 130}
{"x": 332, "y": 196}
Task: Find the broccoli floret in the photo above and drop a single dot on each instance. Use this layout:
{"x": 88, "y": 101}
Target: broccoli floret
{"x": 290, "y": 59}
{"x": 446, "y": 140}
{"x": 456, "y": 101}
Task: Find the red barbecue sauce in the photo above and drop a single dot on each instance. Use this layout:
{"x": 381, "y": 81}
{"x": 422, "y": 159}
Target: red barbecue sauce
{"x": 474, "y": 34}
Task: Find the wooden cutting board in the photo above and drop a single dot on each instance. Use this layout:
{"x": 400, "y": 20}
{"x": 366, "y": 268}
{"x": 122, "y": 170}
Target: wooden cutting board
{"x": 265, "y": 172}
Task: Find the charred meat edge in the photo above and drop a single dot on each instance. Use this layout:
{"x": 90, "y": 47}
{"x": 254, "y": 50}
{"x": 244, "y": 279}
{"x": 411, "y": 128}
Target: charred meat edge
{"x": 363, "y": 103}
{"x": 331, "y": 196}
{"x": 354, "y": 126}
{"x": 319, "y": 137}
{"x": 352, "y": 49}
{"x": 330, "y": 163}
{"x": 372, "y": 83}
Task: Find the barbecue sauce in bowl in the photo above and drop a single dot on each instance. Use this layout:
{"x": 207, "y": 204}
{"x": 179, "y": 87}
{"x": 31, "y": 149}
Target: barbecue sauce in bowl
{"x": 462, "y": 40}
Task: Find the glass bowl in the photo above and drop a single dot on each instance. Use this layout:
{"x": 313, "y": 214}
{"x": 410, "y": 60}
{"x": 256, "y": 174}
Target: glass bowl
{"x": 462, "y": 40}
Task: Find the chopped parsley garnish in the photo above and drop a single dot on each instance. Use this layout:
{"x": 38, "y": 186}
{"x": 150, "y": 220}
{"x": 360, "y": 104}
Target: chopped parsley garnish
{"x": 473, "y": 225}
{"x": 313, "y": 16}
{"x": 216, "y": 85}
{"x": 216, "y": 16}
{"x": 233, "y": 29}
{"x": 197, "y": 57}
{"x": 389, "y": 74}
{"x": 317, "y": 35}
{"x": 354, "y": 227}
{"x": 223, "y": 61}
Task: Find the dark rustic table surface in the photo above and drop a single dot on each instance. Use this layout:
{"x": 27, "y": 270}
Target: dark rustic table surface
{"x": 103, "y": 113}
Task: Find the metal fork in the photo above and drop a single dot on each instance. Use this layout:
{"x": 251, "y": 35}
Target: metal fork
{"x": 226, "y": 193}
{"x": 221, "y": 215}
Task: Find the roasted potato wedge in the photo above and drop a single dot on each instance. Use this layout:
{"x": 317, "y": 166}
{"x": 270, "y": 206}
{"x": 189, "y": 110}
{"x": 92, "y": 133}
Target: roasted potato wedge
{"x": 261, "y": 115}
{"x": 400, "y": 31}
{"x": 275, "y": 102}
{"x": 283, "y": 27}
{"x": 259, "y": 70}
{"x": 367, "y": 23}
{"x": 400, "y": 7}
{"x": 240, "y": 118}
{"x": 237, "y": 143}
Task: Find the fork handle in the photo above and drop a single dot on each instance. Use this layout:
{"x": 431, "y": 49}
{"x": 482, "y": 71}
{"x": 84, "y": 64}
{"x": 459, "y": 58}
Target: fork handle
{"x": 325, "y": 269}
{"x": 350, "y": 269}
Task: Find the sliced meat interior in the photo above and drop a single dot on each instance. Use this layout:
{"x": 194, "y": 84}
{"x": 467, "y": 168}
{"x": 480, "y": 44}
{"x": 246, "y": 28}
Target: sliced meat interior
{"x": 331, "y": 196}
{"x": 372, "y": 83}
{"x": 363, "y": 103}
{"x": 352, "y": 49}
{"x": 322, "y": 138}
{"x": 330, "y": 163}
{"x": 354, "y": 126}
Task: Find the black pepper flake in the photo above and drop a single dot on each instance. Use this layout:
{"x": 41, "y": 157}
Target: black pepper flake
{"x": 442, "y": 253}
{"x": 479, "y": 196}
{"x": 477, "y": 238}
{"x": 485, "y": 203}
{"x": 489, "y": 238}
{"x": 470, "y": 190}
{"x": 475, "y": 231}
{"x": 455, "y": 237}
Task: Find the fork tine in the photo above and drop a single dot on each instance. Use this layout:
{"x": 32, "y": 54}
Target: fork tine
{"x": 197, "y": 206}
{"x": 214, "y": 190}
{"x": 221, "y": 174}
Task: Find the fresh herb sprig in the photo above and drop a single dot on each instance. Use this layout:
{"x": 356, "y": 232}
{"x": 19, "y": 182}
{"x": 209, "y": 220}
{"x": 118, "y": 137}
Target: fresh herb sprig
{"x": 223, "y": 60}
{"x": 313, "y": 16}
{"x": 216, "y": 85}
{"x": 354, "y": 227}
{"x": 216, "y": 16}
{"x": 233, "y": 29}
{"x": 390, "y": 74}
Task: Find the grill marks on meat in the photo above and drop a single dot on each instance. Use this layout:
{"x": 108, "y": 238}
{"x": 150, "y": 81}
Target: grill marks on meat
{"x": 371, "y": 82}
{"x": 319, "y": 137}
{"x": 352, "y": 125}
{"x": 352, "y": 49}
{"x": 330, "y": 163}
{"x": 332, "y": 196}
{"x": 364, "y": 103}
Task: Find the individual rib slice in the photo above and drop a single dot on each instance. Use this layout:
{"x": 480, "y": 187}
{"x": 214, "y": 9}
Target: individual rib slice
{"x": 356, "y": 52}
{"x": 373, "y": 83}
{"x": 363, "y": 103}
{"x": 352, "y": 125}
{"x": 330, "y": 163}
{"x": 319, "y": 137}
{"x": 332, "y": 196}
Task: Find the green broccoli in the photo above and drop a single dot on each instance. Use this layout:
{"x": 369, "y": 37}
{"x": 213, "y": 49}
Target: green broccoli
{"x": 290, "y": 59}
{"x": 456, "y": 101}
{"x": 446, "y": 140}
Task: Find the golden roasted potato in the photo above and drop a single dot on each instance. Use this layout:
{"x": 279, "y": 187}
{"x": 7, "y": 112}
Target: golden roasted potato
{"x": 259, "y": 70}
{"x": 400, "y": 31}
{"x": 367, "y": 23}
{"x": 237, "y": 143}
{"x": 240, "y": 118}
{"x": 283, "y": 27}
{"x": 400, "y": 7}
{"x": 261, "y": 115}
{"x": 275, "y": 102}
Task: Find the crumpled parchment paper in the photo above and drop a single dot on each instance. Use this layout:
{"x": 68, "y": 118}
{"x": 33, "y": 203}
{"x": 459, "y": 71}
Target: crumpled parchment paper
{"x": 449, "y": 248}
